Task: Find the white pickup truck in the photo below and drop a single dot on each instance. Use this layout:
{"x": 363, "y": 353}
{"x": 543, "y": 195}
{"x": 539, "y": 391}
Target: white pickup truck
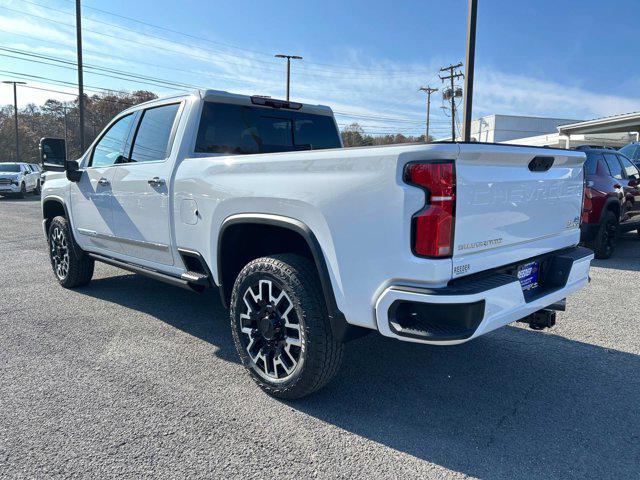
{"x": 311, "y": 244}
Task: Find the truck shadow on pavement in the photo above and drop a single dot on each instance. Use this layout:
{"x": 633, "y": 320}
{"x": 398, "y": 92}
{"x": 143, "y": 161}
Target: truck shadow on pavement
{"x": 514, "y": 403}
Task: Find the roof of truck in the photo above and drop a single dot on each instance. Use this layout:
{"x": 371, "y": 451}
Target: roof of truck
{"x": 235, "y": 98}
{"x": 228, "y": 97}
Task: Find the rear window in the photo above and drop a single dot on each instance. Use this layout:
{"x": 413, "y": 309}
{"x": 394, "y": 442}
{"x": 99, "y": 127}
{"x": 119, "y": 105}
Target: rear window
{"x": 239, "y": 129}
{"x": 591, "y": 165}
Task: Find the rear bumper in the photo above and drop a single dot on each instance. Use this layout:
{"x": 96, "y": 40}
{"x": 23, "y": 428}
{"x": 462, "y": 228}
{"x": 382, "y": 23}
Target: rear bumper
{"x": 459, "y": 313}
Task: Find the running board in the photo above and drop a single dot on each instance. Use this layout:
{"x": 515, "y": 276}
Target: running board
{"x": 163, "y": 277}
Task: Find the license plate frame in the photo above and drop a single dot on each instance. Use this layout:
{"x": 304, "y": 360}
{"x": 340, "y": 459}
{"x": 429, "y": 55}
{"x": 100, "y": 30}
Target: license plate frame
{"x": 528, "y": 275}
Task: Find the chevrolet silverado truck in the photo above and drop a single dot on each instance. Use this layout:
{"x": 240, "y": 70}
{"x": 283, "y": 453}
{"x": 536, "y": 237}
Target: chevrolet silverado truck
{"x": 311, "y": 244}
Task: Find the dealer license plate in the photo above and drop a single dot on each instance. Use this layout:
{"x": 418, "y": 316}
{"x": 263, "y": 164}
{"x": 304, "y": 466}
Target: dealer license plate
{"x": 528, "y": 275}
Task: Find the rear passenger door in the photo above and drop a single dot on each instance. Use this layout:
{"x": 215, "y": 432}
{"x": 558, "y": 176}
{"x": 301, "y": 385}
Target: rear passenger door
{"x": 140, "y": 187}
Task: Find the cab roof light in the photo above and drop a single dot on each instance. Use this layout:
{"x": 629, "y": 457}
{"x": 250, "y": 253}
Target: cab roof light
{"x": 273, "y": 103}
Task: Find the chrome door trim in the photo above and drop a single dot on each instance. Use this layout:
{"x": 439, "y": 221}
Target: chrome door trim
{"x": 130, "y": 241}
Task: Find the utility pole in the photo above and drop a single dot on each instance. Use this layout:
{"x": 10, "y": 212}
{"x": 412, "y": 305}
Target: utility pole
{"x": 428, "y": 91}
{"x": 15, "y": 114}
{"x": 80, "y": 79}
{"x": 64, "y": 111}
{"x": 289, "y": 58}
{"x": 452, "y": 76}
{"x": 470, "y": 63}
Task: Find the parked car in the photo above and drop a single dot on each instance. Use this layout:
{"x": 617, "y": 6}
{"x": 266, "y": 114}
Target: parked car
{"x": 611, "y": 201}
{"x": 632, "y": 152}
{"x": 311, "y": 244}
{"x": 17, "y": 179}
{"x": 37, "y": 170}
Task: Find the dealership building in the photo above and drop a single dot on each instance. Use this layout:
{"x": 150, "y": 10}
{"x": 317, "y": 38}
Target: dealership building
{"x": 614, "y": 131}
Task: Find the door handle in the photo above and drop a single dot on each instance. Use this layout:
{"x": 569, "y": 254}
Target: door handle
{"x": 156, "y": 182}
{"x": 103, "y": 181}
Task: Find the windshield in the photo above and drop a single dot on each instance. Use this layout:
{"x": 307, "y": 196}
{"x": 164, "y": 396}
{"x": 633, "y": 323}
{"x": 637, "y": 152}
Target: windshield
{"x": 630, "y": 150}
{"x": 9, "y": 167}
{"x": 238, "y": 129}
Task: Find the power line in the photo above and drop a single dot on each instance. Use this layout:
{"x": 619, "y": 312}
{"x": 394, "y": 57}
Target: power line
{"x": 227, "y": 45}
{"x": 160, "y": 82}
{"x": 217, "y": 52}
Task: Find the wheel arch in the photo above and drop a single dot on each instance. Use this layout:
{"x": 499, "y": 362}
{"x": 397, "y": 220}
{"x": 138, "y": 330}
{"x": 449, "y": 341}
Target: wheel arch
{"x": 296, "y": 236}
{"x": 53, "y": 206}
{"x": 613, "y": 205}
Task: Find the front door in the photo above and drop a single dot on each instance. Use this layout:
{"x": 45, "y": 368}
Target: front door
{"x": 140, "y": 188}
{"x": 631, "y": 190}
{"x": 91, "y": 197}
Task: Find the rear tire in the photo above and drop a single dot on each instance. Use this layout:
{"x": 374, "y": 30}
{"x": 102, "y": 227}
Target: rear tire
{"x": 36, "y": 190}
{"x": 71, "y": 266}
{"x": 604, "y": 243}
{"x": 281, "y": 328}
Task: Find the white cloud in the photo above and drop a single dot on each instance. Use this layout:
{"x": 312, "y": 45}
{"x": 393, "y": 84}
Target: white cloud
{"x": 499, "y": 92}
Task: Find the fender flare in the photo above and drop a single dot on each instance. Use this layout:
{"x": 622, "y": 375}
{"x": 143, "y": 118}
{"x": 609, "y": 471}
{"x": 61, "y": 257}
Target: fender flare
{"x": 59, "y": 200}
{"x": 606, "y": 206}
{"x": 341, "y": 329}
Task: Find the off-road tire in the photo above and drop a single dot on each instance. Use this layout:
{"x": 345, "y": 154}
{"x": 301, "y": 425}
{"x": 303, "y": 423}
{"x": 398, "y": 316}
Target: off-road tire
{"x": 79, "y": 266}
{"x": 604, "y": 243}
{"x": 37, "y": 189}
{"x": 320, "y": 354}
{"x": 23, "y": 191}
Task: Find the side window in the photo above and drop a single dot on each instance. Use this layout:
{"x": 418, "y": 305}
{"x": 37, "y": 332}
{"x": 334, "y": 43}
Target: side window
{"x": 591, "y": 164}
{"x": 614, "y": 165}
{"x": 152, "y": 140}
{"x": 629, "y": 168}
{"x": 108, "y": 150}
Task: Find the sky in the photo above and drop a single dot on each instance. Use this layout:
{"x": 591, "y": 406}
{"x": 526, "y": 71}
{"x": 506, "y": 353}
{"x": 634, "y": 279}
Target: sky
{"x": 365, "y": 59}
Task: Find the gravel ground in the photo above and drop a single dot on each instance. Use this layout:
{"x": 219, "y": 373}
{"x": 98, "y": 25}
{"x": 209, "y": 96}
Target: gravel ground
{"x": 131, "y": 378}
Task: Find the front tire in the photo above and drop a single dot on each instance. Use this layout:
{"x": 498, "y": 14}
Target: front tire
{"x": 23, "y": 190}
{"x": 71, "y": 266}
{"x": 604, "y": 243}
{"x": 281, "y": 328}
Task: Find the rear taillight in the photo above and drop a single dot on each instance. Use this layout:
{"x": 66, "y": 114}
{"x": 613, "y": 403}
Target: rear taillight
{"x": 433, "y": 226}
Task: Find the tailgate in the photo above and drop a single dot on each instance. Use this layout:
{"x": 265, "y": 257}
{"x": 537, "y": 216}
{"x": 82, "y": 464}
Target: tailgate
{"x": 511, "y": 205}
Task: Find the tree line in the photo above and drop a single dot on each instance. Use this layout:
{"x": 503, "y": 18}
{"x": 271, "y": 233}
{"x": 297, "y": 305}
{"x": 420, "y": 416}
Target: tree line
{"x": 60, "y": 119}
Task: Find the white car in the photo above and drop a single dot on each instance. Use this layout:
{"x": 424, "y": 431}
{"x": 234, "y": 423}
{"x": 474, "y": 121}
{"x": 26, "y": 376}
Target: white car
{"x": 311, "y": 244}
{"x": 18, "y": 179}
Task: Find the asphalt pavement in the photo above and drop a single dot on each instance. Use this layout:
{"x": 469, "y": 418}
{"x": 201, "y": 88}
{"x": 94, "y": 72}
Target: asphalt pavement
{"x": 132, "y": 378}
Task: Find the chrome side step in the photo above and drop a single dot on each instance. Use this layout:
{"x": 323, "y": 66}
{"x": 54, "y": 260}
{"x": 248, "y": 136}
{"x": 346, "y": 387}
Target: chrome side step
{"x": 196, "y": 278}
{"x": 163, "y": 277}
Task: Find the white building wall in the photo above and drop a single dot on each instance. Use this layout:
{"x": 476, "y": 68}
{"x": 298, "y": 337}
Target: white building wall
{"x": 501, "y": 128}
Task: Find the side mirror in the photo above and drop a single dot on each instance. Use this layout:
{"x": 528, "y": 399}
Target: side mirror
{"x": 53, "y": 154}
{"x": 72, "y": 170}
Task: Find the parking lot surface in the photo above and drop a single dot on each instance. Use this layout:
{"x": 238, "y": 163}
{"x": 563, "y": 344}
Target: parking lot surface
{"x": 132, "y": 378}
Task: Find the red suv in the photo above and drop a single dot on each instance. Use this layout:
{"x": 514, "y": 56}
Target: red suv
{"x": 611, "y": 199}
